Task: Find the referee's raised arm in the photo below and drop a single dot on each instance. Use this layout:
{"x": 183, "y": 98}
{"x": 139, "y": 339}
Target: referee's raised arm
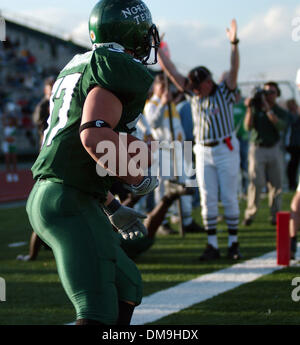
{"x": 232, "y": 77}
{"x": 170, "y": 69}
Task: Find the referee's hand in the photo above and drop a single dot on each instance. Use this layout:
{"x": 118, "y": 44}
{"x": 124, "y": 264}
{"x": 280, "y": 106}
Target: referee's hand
{"x": 232, "y": 31}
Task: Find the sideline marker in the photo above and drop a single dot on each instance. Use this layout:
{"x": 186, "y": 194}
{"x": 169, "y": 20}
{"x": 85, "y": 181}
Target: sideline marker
{"x": 283, "y": 238}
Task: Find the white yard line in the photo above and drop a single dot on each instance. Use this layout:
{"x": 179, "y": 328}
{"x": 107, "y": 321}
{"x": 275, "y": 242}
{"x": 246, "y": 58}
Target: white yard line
{"x": 182, "y": 296}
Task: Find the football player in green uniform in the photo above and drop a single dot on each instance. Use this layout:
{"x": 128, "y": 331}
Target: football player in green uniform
{"x": 96, "y": 96}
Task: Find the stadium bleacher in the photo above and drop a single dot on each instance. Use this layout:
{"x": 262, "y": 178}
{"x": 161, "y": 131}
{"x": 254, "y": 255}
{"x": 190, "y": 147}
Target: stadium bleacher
{"x": 27, "y": 57}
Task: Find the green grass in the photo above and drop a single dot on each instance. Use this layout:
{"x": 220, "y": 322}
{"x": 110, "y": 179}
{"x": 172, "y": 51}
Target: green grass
{"x": 35, "y": 295}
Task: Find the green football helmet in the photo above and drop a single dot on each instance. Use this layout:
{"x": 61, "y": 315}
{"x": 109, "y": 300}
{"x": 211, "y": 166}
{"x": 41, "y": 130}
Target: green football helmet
{"x": 126, "y": 23}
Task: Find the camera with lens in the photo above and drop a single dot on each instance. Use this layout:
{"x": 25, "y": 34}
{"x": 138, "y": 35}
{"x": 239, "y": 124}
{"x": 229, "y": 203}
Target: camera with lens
{"x": 257, "y": 99}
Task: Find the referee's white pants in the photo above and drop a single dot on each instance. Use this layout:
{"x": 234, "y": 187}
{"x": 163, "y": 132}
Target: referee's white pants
{"x": 166, "y": 172}
{"x": 217, "y": 170}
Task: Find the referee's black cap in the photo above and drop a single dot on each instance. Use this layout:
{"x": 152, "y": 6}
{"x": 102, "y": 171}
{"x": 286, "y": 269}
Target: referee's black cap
{"x": 198, "y": 74}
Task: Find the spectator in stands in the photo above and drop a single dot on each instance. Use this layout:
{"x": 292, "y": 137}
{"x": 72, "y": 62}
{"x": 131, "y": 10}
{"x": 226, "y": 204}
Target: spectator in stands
{"x": 157, "y": 114}
{"x": 7, "y": 43}
{"x": 21, "y": 63}
{"x": 27, "y": 126}
{"x": 31, "y": 60}
{"x": 2, "y": 53}
{"x": 29, "y": 82}
{"x": 9, "y": 147}
{"x": 293, "y": 144}
{"x": 41, "y": 112}
{"x": 265, "y": 119}
{"x": 239, "y": 113}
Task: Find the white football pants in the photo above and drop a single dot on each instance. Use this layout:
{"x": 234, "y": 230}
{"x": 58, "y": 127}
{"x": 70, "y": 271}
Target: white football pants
{"x": 217, "y": 170}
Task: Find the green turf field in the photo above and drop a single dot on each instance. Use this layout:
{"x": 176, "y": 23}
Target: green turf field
{"x": 35, "y": 296}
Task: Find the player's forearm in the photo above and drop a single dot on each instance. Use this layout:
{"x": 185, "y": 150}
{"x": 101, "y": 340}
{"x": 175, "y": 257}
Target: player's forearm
{"x": 109, "y": 199}
{"x": 234, "y": 66}
{"x": 104, "y": 146}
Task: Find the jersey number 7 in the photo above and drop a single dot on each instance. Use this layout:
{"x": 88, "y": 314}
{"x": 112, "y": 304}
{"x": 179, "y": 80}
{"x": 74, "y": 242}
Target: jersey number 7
{"x": 60, "y": 102}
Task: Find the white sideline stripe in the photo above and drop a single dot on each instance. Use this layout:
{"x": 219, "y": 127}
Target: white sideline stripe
{"x": 182, "y": 296}
{"x": 17, "y": 244}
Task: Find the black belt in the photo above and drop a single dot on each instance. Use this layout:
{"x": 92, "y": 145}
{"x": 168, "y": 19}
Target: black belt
{"x": 215, "y": 143}
{"x": 266, "y": 146}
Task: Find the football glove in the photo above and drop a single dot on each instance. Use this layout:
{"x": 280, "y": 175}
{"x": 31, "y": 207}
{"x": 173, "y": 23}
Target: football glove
{"x": 126, "y": 220}
{"x": 148, "y": 184}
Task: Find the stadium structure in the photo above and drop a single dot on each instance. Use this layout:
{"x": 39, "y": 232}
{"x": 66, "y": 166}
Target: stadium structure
{"x": 27, "y": 57}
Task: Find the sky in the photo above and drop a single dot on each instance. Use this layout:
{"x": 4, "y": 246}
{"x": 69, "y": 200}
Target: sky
{"x": 195, "y": 31}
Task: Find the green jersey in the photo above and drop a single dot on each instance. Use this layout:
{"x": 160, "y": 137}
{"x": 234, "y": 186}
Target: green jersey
{"x": 239, "y": 113}
{"x": 63, "y": 158}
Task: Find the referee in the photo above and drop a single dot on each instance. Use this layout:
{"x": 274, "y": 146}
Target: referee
{"x": 216, "y": 148}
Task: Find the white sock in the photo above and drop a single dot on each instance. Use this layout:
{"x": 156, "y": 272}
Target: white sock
{"x": 213, "y": 241}
{"x": 232, "y": 239}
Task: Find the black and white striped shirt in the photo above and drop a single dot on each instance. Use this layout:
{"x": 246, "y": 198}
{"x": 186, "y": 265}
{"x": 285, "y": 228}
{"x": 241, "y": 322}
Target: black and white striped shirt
{"x": 213, "y": 115}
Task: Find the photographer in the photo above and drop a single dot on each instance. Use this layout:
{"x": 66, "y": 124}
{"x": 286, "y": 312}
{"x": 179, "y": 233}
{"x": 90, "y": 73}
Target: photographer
{"x": 266, "y": 120}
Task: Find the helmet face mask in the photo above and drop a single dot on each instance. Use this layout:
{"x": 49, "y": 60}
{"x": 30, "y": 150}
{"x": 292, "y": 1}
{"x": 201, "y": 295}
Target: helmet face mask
{"x": 153, "y": 42}
{"x": 125, "y": 23}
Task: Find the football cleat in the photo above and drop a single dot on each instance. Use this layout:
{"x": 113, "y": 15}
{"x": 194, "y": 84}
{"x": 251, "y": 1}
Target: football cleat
{"x": 234, "y": 252}
{"x": 210, "y": 253}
